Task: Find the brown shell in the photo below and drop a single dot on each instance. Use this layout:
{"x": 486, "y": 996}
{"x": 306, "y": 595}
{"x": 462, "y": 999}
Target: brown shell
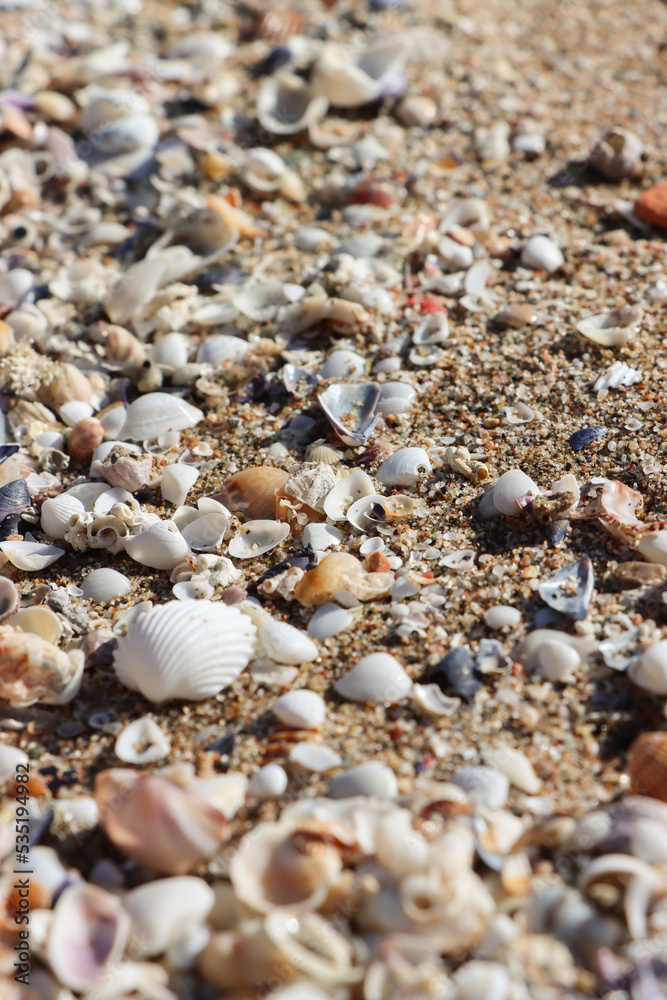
{"x": 251, "y": 493}
{"x": 647, "y": 764}
{"x": 375, "y": 454}
{"x": 84, "y": 438}
{"x": 332, "y": 575}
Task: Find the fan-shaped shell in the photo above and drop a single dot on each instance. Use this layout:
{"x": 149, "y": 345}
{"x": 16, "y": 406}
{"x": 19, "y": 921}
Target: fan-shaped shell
{"x": 57, "y": 513}
{"x": 161, "y": 546}
{"x": 404, "y": 468}
{"x": 251, "y": 493}
{"x": 647, "y": 764}
{"x": 156, "y": 413}
{"x": 156, "y": 656}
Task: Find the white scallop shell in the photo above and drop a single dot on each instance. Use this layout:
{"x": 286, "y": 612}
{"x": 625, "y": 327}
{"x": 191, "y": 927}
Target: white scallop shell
{"x": 105, "y": 584}
{"x": 88, "y": 931}
{"x": 156, "y": 413}
{"x": 56, "y": 513}
{"x": 346, "y": 492}
{"x": 185, "y": 649}
{"x": 31, "y": 556}
{"x": 164, "y": 911}
{"x": 377, "y": 678}
{"x": 404, "y": 468}
{"x": 161, "y": 546}
{"x": 142, "y": 742}
{"x": 287, "y": 104}
{"x": 257, "y": 537}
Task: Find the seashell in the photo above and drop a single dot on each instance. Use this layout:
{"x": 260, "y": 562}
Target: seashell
{"x": 433, "y": 330}
{"x": 278, "y": 868}
{"x": 15, "y": 285}
{"x": 118, "y": 121}
{"x": 647, "y": 765}
{"x": 336, "y": 573}
{"x": 476, "y": 979}
{"x": 617, "y": 154}
{"x": 257, "y": 537}
{"x": 9, "y": 597}
{"x": 323, "y": 453}
{"x": 123, "y": 346}
{"x": 310, "y": 486}
{"x": 262, "y": 170}
{"x": 404, "y": 468}
{"x": 171, "y": 351}
{"x": 163, "y": 911}
{"x": 120, "y": 467}
{"x": 515, "y": 766}
{"x": 206, "y": 532}
{"x": 134, "y": 290}
{"x": 34, "y": 670}
{"x": 39, "y": 621}
{"x": 155, "y": 823}
{"x": 68, "y": 383}
{"x": 343, "y": 363}
{"x": 142, "y": 742}
{"x": 457, "y": 670}
{"x": 260, "y": 300}
{"x": 251, "y": 493}
{"x": 31, "y": 556}
{"x": 329, "y": 620}
{"x": 557, "y": 591}
{"x": 650, "y": 670}
{"x": 556, "y": 660}
{"x": 192, "y": 590}
{"x": 469, "y": 213}
{"x": 352, "y": 410}
{"x": 654, "y": 547}
{"x": 453, "y": 255}
{"x": 371, "y": 780}
{"x": 300, "y": 709}
{"x": 104, "y": 585}
{"x": 287, "y": 104}
{"x": 501, "y": 496}
{"x": 378, "y": 679}
{"x": 314, "y": 757}
{"x": 367, "y": 512}
{"x": 284, "y": 643}
{"x": 580, "y": 439}
{"x": 611, "y": 329}
{"x": 14, "y": 498}
{"x": 84, "y": 438}
{"x": 160, "y": 546}
{"x": 87, "y": 934}
{"x": 156, "y": 413}
{"x": 502, "y": 616}
{"x": 154, "y": 657}
{"x": 300, "y": 383}
{"x": 484, "y": 785}
{"x": 351, "y": 79}
{"x": 430, "y": 701}
{"x": 346, "y": 492}
{"x": 395, "y": 398}
{"x": 312, "y": 947}
{"x": 542, "y": 254}
{"x": 177, "y": 480}
{"x": 220, "y": 348}
{"x": 270, "y": 782}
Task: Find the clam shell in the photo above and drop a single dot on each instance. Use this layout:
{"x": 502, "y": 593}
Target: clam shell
{"x": 156, "y": 823}
{"x": 404, "y": 468}
{"x": 172, "y": 350}
{"x": 142, "y": 742}
{"x": 88, "y": 932}
{"x": 367, "y": 512}
{"x": 156, "y": 413}
{"x": 206, "y": 532}
{"x": 257, "y": 537}
{"x": 347, "y": 492}
{"x": 38, "y": 620}
{"x": 557, "y": 591}
{"x": 251, "y": 493}
{"x": 105, "y": 584}
{"x": 31, "y": 556}
{"x": 378, "y": 679}
{"x": 270, "y": 782}
{"x": 286, "y": 104}
{"x": 647, "y": 764}
{"x": 14, "y": 497}
{"x": 612, "y": 329}
{"x": 352, "y": 410}
{"x": 57, "y": 512}
{"x": 372, "y": 779}
{"x": 155, "y": 656}
{"x": 160, "y": 546}
{"x": 300, "y": 709}
{"x": 343, "y": 363}
{"x": 543, "y": 254}
{"x": 164, "y": 911}
{"x": 329, "y": 620}
{"x": 284, "y": 643}
{"x": 133, "y": 291}
{"x": 84, "y": 438}
{"x": 220, "y": 348}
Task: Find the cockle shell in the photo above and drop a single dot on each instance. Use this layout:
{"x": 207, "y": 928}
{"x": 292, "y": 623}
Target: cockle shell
{"x": 287, "y": 104}
{"x": 57, "y": 512}
{"x": 88, "y": 932}
{"x": 647, "y": 764}
{"x": 333, "y": 575}
{"x": 404, "y": 468}
{"x": 33, "y": 670}
{"x": 155, "y": 656}
{"x": 160, "y": 546}
{"x": 84, "y": 438}
{"x": 611, "y": 329}
{"x": 164, "y": 911}
{"x": 156, "y": 823}
{"x": 156, "y": 413}
{"x": 251, "y": 493}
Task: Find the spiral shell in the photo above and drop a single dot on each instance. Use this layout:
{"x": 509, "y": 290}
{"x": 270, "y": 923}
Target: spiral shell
{"x": 155, "y": 656}
{"x": 404, "y": 467}
{"x": 647, "y": 764}
{"x": 251, "y": 493}
{"x": 84, "y": 438}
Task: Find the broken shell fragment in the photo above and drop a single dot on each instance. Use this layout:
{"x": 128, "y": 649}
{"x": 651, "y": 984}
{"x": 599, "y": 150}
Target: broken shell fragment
{"x": 570, "y": 589}
{"x": 177, "y": 480}
{"x": 251, "y": 493}
{"x": 31, "y": 556}
{"x": 287, "y": 104}
{"x": 346, "y": 493}
{"x": 350, "y": 80}
{"x": 334, "y": 574}
{"x": 157, "y": 824}
{"x": 352, "y": 410}
{"x": 142, "y": 742}
{"x": 257, "y": 537}
{"x": 611, "y": 329}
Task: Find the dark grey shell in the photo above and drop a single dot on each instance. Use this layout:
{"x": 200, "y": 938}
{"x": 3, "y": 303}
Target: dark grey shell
{"x": 586, "y": 436}
{"x": 556, "y": 592}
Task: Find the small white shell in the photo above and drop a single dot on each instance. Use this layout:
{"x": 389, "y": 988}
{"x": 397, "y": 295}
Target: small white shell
{"x": 286, "y": 104}
{"x": 164, "y": 911}
{"x": 161, "y": 546}
{"x": 284, "y": 643}
{"x": 654, "y": 547}
{"x": 171, "y": 350}
{"x": 454, "y": 255}
{"x": 433, "y": 330}
{"x": 300, "y": 709}
{"x": 502, "y": 616}
{"x": 269, "y": 783}
{"x": 371, "y": 779}
{"x": 515, "y": 766}
{"x": 88, "y": 931}
{"x": 483, "y": 785}
{"x": 349, "y": 489}
{"x": 314, "y": 757}
{"x": 220, "y": 348}
{"x": 650, "y": 670}
{"x": 610, "y": 329}
{"x": 556, "y": 660}
{"x": 133, "y": 291}
{"x": 343, "y": 363}
{"x": 430, "y": 700}
{"x": 543, "y": 254}
{"x": 142, "y": 742}
{"x": 156, "y": 413}
{"x": 192, "y": 590}
{"x": 395, "y": 398}
{"x": 350, "y": 79}
{"x": 321, "y": 536}
{"x": 177, "y": 480}
{"x": 155, "y": 657}
{"x": 31, "y": 556}
{"x": 74, "y": 411}
{"x": 262, "y": 170}
{"x": 257, "y": 537}
{"x": 38, "y": 620}
{"x": 10, "y": 757}
{"x": 56, "y": 513}
{"x": 499, "y": 498}
{"x": 404, "y": 468}
{"x": 360, "y": 514}
{"x": 206, "y": 532}
{"x": 377, "y": 678}
{"x": 329, "y": 620}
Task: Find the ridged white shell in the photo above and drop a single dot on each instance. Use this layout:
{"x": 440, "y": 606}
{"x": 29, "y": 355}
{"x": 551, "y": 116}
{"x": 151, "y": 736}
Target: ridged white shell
{"x": 156, "y": 413}
{"x": 404, "y": 468}
{"x": 185, "y": 649}
{"x": 31, "y": 556}
{"x": 57, "y": 512}
{"x": 257, "y": 537}
{"x": 346, "y": 492}
{"x": 161, "y": 546}
{"x": 177, "y": 480}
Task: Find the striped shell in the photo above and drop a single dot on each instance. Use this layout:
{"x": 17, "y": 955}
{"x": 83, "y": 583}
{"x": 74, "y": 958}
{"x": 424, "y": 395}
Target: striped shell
{"x": 156, "y": 657}
{"x": 84, "y": 438}
{"x": 647, "y": 764}
{"x": 251, "y": 493}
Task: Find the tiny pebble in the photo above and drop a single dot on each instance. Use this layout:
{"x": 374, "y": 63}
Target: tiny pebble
{"x": 301, "y": 709}
{"x": 269, "y": 783}
{"x": 502, "y": 616}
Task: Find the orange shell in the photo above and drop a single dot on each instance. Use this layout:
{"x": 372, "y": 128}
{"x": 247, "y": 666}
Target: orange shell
{"x": 251, "y": 493}
{"x": 332, "y": 575}
{"x": 647, "y": 764}
{"x": 84, "y": 438}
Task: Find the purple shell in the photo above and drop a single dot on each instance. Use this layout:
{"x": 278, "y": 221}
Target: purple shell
{"x": 586, "y": 436}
